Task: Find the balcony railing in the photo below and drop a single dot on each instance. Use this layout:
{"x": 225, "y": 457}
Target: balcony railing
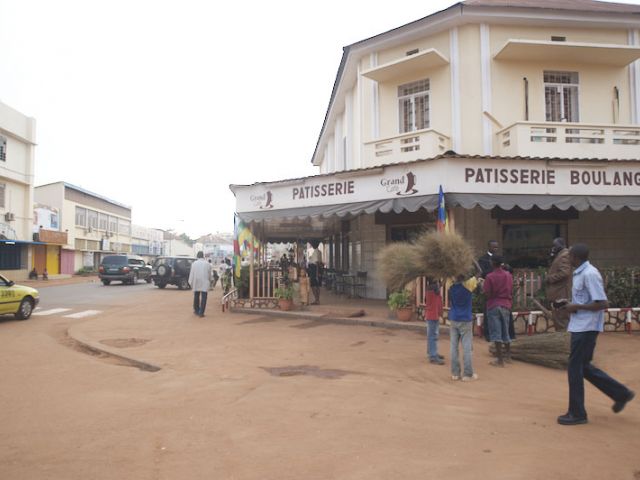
{"x": 569, "y": 140}
{"x": 405, "y": 147}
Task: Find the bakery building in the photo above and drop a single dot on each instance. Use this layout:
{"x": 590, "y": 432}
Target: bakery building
{"x": 527, "y": 115}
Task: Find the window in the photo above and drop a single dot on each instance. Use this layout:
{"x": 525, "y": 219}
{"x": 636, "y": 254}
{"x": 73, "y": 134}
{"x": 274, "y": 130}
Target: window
{"x": 113, "y": 224}
{"x": 92, "y": 217}
{"x": 3, "y": 149}
{"x": 3, "y": 187}
{"x": 561, "y": 96}
{"x": 124, "y": 226}
{"x": 103, "y": 221}
{"x": 413, "y": 104}
{"x": 528, "y": 245}
{"x": 81, "y": 217}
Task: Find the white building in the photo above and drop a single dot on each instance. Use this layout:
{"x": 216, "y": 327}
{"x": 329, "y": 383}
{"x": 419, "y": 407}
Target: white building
{"x": 96, "y": 225}
{"x": 17, "y": 154}
{"x": 146, "y": 242}
{"x": 526, "y": 113}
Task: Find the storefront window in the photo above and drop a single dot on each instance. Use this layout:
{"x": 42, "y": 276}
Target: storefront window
{"x": 406, "y": 234}
{"x": 528, "y": 245}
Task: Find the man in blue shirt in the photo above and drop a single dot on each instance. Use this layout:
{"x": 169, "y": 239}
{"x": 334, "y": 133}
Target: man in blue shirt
{"x": 587, "y": 320}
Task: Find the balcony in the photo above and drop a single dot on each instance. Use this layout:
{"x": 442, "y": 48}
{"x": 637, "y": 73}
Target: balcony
{"x": 426, "y": 143}
{"x": 569, "y": 140}
{"x": 52, "y": 236}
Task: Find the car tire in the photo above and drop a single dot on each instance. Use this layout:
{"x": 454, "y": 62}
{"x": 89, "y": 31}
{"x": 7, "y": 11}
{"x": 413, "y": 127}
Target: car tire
{"x": 163, "y": 270}
{"x": 106, "y": 282}
{"x": 183, "y": 284}
{"x": 134, "y": 279}
{"x": 161, "y": 285}
{"x": 25, "y": 309}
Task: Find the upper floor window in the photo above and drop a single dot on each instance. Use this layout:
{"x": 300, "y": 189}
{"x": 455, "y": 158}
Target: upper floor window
{"x": 413, "y": 103}
{"x": 81, "y": 217}
{"x": 92, "y": 217}
{"x": 103, "y": 221}
{"x": 3, "y": 188}
{"x": 561, "y": 96}
{"x": 113, "y": 224}
{"x": 3, "y": 149}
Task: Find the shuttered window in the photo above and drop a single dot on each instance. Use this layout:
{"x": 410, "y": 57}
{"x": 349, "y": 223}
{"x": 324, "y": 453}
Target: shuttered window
{"x": 3, "y": 149}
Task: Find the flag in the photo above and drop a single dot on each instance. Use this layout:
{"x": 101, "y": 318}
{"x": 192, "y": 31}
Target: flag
{"x": 442, "y": 223}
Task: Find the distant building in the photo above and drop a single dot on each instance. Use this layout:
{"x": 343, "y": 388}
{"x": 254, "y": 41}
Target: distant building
{"x": 17, "y": 152}
{"x": 96, "y": 225}
{"x": 216, "y": 246}
{"x": 173, "y": 245}
{"x": 146, "y": 242}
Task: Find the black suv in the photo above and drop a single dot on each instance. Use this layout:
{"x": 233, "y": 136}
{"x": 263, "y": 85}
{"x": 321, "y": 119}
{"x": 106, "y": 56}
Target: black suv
{"x": 126, "y": 268}
{"x": 172, "y": 270}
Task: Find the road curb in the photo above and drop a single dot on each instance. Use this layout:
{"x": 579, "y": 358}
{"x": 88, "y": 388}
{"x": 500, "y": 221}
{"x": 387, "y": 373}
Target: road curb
{"x": 86, "y": 342}
{"x": 416, "y": 327}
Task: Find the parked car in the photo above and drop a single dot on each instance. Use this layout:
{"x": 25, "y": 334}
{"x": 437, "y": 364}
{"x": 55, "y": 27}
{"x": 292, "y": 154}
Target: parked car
{"x": 172, "y": 271}
{"x": 125, "y": 268}
{"x": 17, "y": 299}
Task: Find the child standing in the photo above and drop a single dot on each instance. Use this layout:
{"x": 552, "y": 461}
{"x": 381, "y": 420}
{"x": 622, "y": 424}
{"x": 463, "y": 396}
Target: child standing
{"x": 461, "y": 326}
{"x": 433, "y": 313}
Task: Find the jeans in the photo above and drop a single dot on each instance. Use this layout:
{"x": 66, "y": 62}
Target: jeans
{"x": 582, "y": 346}
{"x": 199, "y": 302}
{"x": 433, "y": 331}
{"x": 461, "y": 332}
{"x": 499, "y": 319}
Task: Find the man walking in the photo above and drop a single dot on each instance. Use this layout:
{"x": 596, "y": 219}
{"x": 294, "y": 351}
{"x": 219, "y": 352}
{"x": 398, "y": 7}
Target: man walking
{"x": 587, "y": 320}
{"x": 558, "y": 283}
{"x": 498, "y": 287}
{"x": 199, "y": 279}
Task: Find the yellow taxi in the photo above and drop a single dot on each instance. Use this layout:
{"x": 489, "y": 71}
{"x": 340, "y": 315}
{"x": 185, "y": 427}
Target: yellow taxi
{"x": 17, "y": 299}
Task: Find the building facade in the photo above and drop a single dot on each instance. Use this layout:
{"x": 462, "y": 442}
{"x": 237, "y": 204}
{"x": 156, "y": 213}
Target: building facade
{"x": 17, "y": 156}
{"x": 95, "y": 225}
{"x": 146, "y": 242}
{"x": 527, "y": 114}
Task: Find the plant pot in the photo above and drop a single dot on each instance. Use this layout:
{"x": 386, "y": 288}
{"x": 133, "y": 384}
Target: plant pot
{"x": 404, "y": 314}
{"x": 285, "y": 304}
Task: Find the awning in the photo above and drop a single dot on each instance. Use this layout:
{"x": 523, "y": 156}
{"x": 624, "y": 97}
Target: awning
{"x": 397, "y": 205}
{"x": 19, "y": 242}
{"x": 568, "y": 52}
{"x": 417, "y": 62}
{"x": 544, "y": 202}
{"x": 464, "y": 200}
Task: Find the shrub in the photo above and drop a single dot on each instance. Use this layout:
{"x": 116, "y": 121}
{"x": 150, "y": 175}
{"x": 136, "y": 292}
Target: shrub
{"x": 401, "y": 299}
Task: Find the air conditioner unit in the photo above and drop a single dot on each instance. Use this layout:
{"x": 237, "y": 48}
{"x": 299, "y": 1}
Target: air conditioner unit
{"x": 9, "y": 217}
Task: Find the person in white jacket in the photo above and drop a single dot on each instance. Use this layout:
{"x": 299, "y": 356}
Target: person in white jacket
{"x": 199, "y": 279}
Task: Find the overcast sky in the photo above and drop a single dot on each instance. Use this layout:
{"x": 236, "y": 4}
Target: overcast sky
{"x": 162, "y": 104}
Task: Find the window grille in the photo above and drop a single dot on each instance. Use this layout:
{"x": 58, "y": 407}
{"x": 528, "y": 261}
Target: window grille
{"x": 3, "y": 149}
{"x": 413, "y": 104}
{"x": 561, "y": 96}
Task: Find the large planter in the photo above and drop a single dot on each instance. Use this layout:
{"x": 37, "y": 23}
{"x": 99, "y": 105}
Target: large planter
{"x": 285, "y": 304}
{"x": 404, "y": 314}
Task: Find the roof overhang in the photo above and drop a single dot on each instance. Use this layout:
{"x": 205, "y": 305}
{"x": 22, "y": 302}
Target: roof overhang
{"x": 421, "y": 61}
{"x": 568, "y": 52}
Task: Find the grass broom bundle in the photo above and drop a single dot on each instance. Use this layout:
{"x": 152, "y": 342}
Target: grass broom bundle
{"x": 398, "y": 265}
{"x": 546, "y": 349}
{"x": 443, "y": 255}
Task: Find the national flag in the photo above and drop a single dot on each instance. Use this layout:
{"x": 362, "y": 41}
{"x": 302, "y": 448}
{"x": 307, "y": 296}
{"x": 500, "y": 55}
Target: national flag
{"x": 443, "y": 222}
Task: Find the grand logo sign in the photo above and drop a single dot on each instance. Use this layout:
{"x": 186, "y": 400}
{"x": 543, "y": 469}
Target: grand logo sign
{"x": 403, "y": 185}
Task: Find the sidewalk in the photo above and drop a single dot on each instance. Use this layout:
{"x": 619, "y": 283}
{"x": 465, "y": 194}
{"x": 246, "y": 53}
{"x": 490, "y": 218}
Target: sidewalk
{"x": 56, "y": 282}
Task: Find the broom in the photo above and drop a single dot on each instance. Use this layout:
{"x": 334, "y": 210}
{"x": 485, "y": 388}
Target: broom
{"x": 545, "y": 349}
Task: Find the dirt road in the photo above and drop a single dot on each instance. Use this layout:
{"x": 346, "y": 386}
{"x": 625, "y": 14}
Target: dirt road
{"x": 250, "y": 397}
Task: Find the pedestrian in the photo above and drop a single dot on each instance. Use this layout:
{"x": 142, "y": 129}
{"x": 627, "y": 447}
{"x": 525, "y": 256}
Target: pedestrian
{"x": 588, "y": 300}
{"x": 199, "y": 279}
{"x": 433, "y": 314}
{"x": 498, "y": 287}
{"x": 485, "y": 260}
{"x": 314, "y": 271}
{"x": 558, "y": 283}
{"x": 461, "y": 326}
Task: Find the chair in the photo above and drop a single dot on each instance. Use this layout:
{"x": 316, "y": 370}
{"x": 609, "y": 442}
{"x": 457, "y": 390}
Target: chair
{"x": 360, "y": 285}
{"x": 349, "y": 285}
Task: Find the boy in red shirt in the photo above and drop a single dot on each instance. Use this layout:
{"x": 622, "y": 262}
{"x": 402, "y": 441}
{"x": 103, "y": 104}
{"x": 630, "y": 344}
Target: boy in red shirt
{"x": 433, "y": 312}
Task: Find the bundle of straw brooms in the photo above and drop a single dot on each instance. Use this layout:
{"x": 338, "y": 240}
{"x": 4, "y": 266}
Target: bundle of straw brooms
{"x": 443, "y": 256}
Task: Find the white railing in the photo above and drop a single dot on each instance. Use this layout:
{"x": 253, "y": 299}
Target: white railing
{"x": 569, "y": 140}
{"x": 406, "y": 147}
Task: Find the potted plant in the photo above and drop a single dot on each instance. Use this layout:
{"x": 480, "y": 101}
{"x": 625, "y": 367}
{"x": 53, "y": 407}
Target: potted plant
{"x": 401, "y": 303}
{"x": 284, "y": 294}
